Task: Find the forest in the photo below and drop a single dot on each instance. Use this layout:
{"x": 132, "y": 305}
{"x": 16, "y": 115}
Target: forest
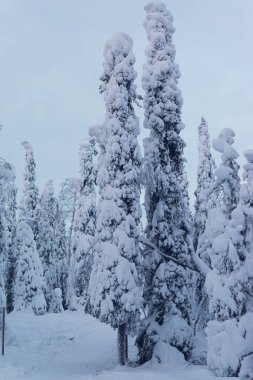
{"x": 121, "y": 243}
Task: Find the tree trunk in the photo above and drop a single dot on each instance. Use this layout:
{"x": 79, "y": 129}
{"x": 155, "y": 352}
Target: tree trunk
{"x": 122, "y": 344}
{"x": 126, "y": 348}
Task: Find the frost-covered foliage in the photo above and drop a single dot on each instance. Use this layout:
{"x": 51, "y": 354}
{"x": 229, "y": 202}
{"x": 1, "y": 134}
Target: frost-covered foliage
{"x": 205, "y": 182}
{"x": 51, "y": 242}
{"x": 30, "y": 192}
{"x": 115, "y": 286}
{"x": 29, "y": 281}
{"x": 227, "y": 184}
{"x": 84, "y": 223}
{"x": 166, "y": 294}
{"x": 7, "y": 229}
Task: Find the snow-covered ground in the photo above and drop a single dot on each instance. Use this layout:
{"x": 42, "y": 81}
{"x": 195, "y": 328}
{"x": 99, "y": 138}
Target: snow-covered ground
{"x": 74, "y": 346}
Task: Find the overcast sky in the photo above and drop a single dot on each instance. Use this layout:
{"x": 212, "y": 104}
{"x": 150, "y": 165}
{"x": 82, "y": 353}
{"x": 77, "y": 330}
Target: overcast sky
{"x": 51, "y": 54}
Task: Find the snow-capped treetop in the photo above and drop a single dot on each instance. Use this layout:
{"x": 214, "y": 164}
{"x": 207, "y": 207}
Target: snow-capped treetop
{"x": 161, "y": 73}
{"x": 118, "y": 55}
{"x": 227, "y": 182}
{"x": 223, "y": 144}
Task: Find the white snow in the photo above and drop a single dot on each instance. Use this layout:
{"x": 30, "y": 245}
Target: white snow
{"x": 75, "y": 346}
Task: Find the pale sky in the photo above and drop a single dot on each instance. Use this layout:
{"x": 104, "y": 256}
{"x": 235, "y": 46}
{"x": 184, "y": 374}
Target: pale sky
{"x": 51, "y": 55}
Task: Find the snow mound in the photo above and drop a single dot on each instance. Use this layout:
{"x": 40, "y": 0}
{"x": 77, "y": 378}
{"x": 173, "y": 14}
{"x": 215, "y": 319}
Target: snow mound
{"x": 166, "y": 354}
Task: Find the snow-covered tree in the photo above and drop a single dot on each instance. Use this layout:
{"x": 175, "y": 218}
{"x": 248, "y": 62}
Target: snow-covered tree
{"x": 7, "y": 227}
{"x": 115, "y": 284}
{"x": 167, "y": 287}
{"x": 228, "y": 281}
{"x": 61, "y": 254}
{"x": 29, "y": 198}
{"x": 51, "y": 243}
{"x": 84, "y": 223}
{"x": 11, "y": 209}
{"x": 67, "y": 207}
{"x": 205, "y": 182}
{"x": 46, "y": 238}
{"x": 227, "y": 183}
{"x": 29, "y": 281}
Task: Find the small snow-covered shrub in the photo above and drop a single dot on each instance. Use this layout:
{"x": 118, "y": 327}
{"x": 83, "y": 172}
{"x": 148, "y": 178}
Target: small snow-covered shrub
{"x": 56, "y": 303}
{"x": 224, "y": 343}
{"x": 166, "y": 354}
{"x": 39, "y": 305}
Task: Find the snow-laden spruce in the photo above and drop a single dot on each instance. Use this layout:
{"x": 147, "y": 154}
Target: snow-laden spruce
{"x": 29, "y": 198}
{"x": 168, "y": 286}
{"x": 115, "y": 287}
{"x": 50, "y": 242}
{"x": 229, "y": 282}
{"x": 205, "y": 182}
{"x": 7, "y": 231}
{"x": 29, "y": 280}
{"x": 84, "y": 224}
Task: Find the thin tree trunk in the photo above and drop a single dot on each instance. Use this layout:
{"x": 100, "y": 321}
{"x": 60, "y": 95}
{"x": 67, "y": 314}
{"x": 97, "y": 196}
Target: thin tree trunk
{"x": 122, "y": 344}
{"x": 126, "y": 348}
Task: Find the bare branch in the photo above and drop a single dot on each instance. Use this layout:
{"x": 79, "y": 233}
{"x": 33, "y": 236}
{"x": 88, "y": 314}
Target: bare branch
{"x": 149, "y": 244}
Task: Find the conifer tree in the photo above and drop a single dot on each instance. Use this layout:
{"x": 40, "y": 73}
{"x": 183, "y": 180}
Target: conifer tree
{"x": 29, "y": 281}
{"x": 205, "y": 182}
{"x": 30, "y": 191}
{"x": 11, "y": 210}
{"x": 60, "y": 241}
{"x": 115, "y": 284}
{"x": 46, "y": 239}
{"x": 227, "y": 279}
{"x": 7, "y": 228}
{"x": 166, "y": 284}
{"x": 84, "y": 222}
{"x": 51, "y": 243}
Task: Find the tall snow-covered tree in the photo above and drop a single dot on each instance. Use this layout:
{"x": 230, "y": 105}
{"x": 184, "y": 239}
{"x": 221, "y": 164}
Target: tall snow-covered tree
{"x": 29, "y": 198}
{"x": 11, "y": 210}
{"x": 46, "y": 244}
{"x": 51, "y": 243}
{"x": 67, "y": 207}
{"x": 228, "y": 278}
{"x": 166, "y": 291}
{"x": 205, "y": 182}
{"x": 115, "y": 284}
{"x": 84, "y": 223}
{"x": 61, "y": 255}
{"x": 29, "y": 281}
{"x": 7, "y": 229}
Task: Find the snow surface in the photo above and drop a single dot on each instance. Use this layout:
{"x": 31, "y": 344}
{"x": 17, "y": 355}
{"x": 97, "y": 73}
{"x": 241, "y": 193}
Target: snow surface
{"x": 75, "y": 346}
